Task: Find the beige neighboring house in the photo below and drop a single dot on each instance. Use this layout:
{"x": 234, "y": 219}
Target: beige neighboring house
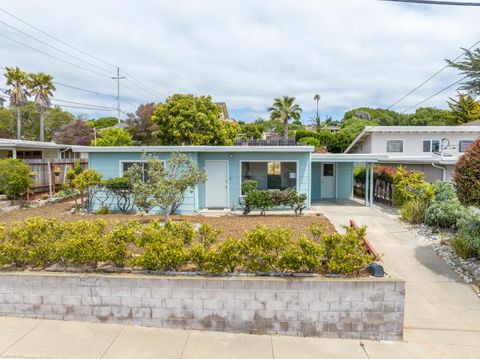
{"x": 433, "y": 150}
{"x": 35, "y": 150}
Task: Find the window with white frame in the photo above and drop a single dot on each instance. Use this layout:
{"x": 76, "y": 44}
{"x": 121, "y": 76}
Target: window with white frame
{"x": 431, "y": 145}
{"x": 463, "y": 145}
{"x": 125, "y": 165}
{"x": 394, "y": 145}
{"x": 271, "y": 175}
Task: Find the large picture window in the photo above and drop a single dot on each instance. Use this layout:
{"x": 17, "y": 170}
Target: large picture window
{"x": 271, "y": 175}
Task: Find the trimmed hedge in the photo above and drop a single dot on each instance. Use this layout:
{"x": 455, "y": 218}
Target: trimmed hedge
{"x": 174, "y": 246}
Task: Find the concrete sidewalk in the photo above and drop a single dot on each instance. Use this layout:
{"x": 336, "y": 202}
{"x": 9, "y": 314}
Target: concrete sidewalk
{"x": 442, "y": 317}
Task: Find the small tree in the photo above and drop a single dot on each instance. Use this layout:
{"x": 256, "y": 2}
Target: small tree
{"x": 83, "y": 181}
{"x": 14, "y": 178}
{"x": 167, "y": 182}
{"x": 113, "y": 137}
{"x": 77, "y": 132}
{"x": 467, "y": 176}
{"x": 140, "y": 189}
{"x": 284, "y": 108}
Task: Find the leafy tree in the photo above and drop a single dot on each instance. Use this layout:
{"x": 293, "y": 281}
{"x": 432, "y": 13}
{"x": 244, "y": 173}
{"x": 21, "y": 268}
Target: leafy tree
{"x": 7, "y": 123}
{"x": 284, "y": 108}
{"x": 41, "y": 85}
{"x": 464, "y": 109}
{"x": 428, "y": 116}
{"x": 251, "y": 131}
{"x": 113, "y": 137}
{"x": 191, "y": 120}
{"x": 467, "y": 176}
{"x": 469, "y": 67}
{"x": 167, "y": 182}
{"x": 103, "y": 122}
{"x": 75, "y": 133}
{"x": 14, "y": 177}
{"x": 55, "y": 118}
{"x": 141, "y": 126}
{"x": 18, "y": 92}
{"x": 83, "y": 181}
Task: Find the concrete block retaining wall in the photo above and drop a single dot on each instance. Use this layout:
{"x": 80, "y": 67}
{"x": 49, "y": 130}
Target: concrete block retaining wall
{"x": 339, "y": 308}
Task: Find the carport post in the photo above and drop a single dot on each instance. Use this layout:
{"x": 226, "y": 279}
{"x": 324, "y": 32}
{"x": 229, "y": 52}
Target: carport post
{"x": 371, "y": 184}
{"x": 367, "y": 187}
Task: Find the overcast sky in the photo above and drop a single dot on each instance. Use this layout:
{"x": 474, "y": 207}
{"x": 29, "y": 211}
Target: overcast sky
{"x": 352, "y": 52}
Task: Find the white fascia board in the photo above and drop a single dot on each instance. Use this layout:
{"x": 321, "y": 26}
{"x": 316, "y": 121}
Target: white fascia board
{"x": 358, "y": 138}
{"x": 347, "y": 157}
{"x": 420, "y": 129}
{"x": 145, "y": 149}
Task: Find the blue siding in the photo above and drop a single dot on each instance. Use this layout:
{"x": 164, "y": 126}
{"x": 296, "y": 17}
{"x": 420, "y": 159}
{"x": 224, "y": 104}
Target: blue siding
{"x": 316, "y": 181}
{"x": 344, "y": 180}
{"x": 109, "y": 166}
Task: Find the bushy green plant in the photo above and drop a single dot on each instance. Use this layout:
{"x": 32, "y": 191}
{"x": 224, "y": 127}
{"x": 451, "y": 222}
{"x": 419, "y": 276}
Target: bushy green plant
{"x": 14, "y": 178}
{"x": 410, "y": 185}
{"x": 467, "y": 173}
{"x": 445, "y": 214}
{"x": 264, "y": 248}
{"x": 116, "y": 241}
{"x": 229, "y": 255}
{"x": 311, "y": 141}
{"x": 163, "y": 254}
{"x": 444, "y": 191}
{"x": 414, "y": 210}
{"x": 345, "y": 253}
{"x": 468, "y": 237}
{"x": 103, "y": 210}
{"x": 306, "y": 255}
{"x": 83, "y": 181}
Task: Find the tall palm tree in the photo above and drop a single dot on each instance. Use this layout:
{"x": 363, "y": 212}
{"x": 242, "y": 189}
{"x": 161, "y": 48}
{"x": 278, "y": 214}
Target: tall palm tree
{"x": 41, "y": 85}
{"x": 284, "y": 108}
{"x": 317, "y": 98}
{"x": 18, "y": 92}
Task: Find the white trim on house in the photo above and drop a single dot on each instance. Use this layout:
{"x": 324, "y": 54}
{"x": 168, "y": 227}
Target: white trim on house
{"x": 227, "y": 162}
{"x": 276, "y": 160}
{"x": 346, "y": 157}
{"x": 194, "y": 149}
{"x": 411, "y": 129}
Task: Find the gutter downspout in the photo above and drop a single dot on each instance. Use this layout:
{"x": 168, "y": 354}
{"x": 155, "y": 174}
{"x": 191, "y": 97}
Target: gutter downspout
{"x": 444, "y": 171}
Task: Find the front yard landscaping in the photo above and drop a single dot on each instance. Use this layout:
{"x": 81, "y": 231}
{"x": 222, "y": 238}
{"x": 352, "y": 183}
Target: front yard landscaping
{"x": 206, "y": 245}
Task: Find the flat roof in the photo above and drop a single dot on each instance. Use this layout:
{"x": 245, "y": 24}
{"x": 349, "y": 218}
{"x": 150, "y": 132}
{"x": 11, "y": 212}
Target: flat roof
{"x": 347, "y": 157}
{"x": 6, "y": 142}
{"x": 106, "y": 149}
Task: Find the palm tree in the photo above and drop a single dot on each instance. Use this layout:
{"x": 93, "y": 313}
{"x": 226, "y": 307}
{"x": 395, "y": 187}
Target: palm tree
{"x": 41, "y": 85}
{"x": 317, "y": 98}
{"x": 17, "y": 79}
{"x": 284, "y": 109}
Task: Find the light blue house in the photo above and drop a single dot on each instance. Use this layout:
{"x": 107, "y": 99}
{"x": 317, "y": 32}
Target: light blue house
{"x": 320, "y": 176}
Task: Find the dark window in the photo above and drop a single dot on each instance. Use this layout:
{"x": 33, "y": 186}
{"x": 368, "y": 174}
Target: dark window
{"x": 328, "y": 170}
{"x": 463, "y": 145}
{"x": 426, "y": 145}
{"x": 431, "y": 145}
{"x": 29, "y": 155}
{"x": 273, "y": 175}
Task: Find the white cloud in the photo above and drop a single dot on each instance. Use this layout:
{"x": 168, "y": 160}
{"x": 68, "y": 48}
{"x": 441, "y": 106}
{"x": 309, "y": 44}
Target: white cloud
{"x": 354, "y": 53}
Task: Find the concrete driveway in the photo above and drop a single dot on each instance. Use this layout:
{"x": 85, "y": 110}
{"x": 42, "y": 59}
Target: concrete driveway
{"x": 442, "y": 318}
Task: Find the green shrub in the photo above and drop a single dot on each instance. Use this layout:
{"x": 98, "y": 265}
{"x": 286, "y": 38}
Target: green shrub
{"x": 414, "y": 211}
{"x": 410, "y": 185}
{"x": 164, "y": 254}
{"x": 117, "y": 239}
{"x": 345, "y": 253}
{"x": 469, "y": 236}
{"x": 229, "y": 255}
{"x": 14, "y": 178}
{"x": 445, "y": 214}
{"x": 264, "y": 248}
{"x": 306, "y": 255}
{"x": 103, "y": 210}
{"x": 444, "y": 191}
{"x": 461, "y": 247}
{"x": 311, "y": 141}
{"x": 467, "y": 173}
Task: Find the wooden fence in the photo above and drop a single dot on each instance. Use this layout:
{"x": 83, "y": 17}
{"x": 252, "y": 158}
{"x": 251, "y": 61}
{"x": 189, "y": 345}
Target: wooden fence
{"x": 51, "y": 171}
{"x": 382, "y": 191}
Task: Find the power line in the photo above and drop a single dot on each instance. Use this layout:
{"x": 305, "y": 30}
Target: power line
{"x": 435, "y": 94}
{"x": 85, "y": 90}
{"x": 83, "y": 104}
{"x": 432, "y": 2}
{"x": 432, "y": 76}
{"x": 54, "y": 57}
{"x": 56, "y": 38}
{"x": 141, "y": 85}
{"x": 53, "y": 47}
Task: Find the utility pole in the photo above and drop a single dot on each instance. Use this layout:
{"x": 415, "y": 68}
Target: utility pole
{"x": 118, "y": 78}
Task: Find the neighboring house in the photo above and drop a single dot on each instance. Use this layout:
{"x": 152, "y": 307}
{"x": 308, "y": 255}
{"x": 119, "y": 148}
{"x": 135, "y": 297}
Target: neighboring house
{"x": 224, "y": 113}
{"x": 433, "y": 150}
{"x": 320, "y": 176}
{"x": 42, "y": 157}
